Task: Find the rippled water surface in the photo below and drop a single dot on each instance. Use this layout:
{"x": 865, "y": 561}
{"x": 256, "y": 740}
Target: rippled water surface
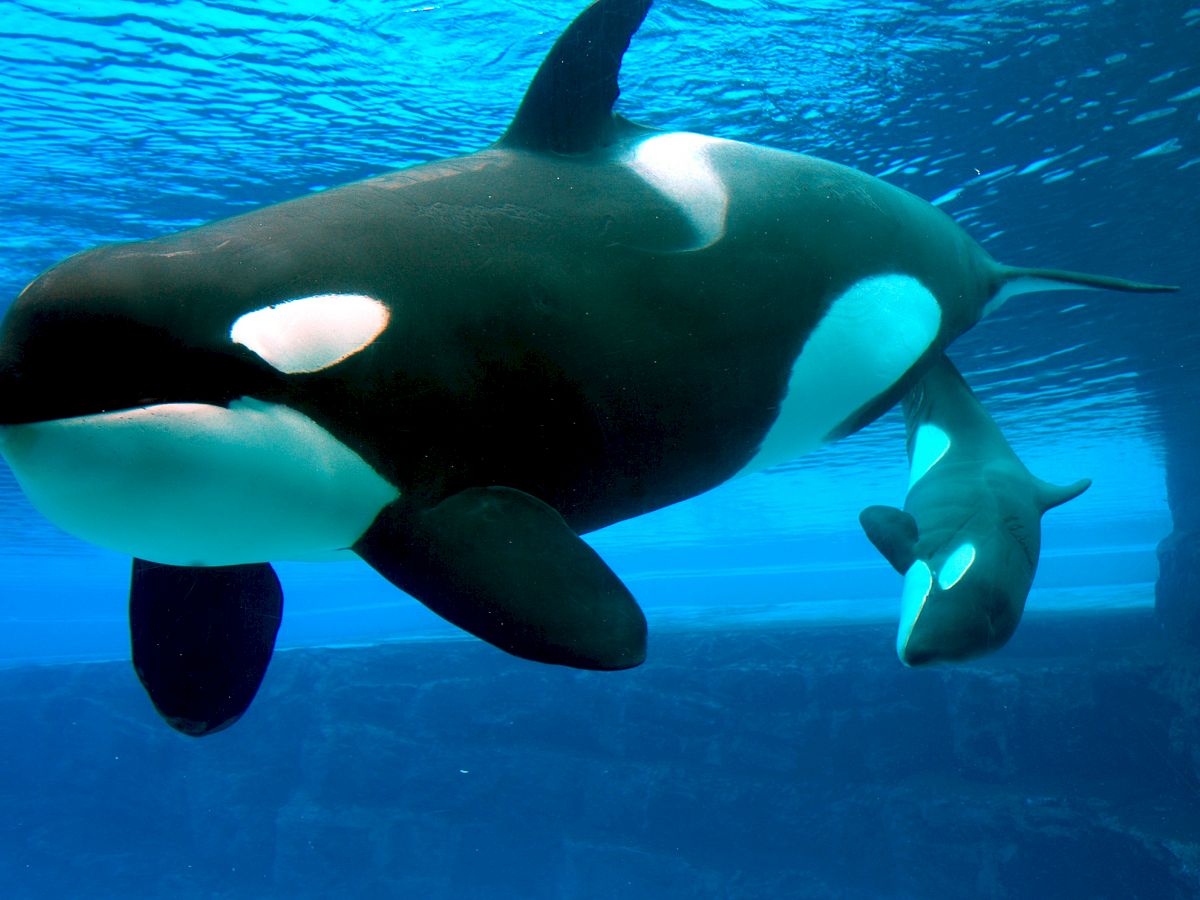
{"x": 1059, "y": 133}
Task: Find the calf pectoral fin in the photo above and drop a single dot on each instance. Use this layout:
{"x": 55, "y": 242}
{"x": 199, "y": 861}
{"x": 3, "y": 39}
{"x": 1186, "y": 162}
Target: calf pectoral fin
{"x": 894, "y": 534}
{"x": 504, "y": 566}
{"x": 202, "y": 639}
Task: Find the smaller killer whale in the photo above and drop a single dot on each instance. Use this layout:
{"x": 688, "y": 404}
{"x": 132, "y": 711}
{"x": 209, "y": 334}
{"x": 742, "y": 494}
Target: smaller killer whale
{"x": 454, "y": 370}
{"x": 968, "y": 539}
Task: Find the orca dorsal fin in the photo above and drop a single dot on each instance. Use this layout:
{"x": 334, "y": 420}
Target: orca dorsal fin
{"x": 568, "y": 106}
{"x": 894, "y": 534}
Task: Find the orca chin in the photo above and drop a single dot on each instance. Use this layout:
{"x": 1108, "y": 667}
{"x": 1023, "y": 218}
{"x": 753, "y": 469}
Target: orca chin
{"x": 917, "y": 657}
{"x": 929, "y": 645}
{"x": 198, "y": 484}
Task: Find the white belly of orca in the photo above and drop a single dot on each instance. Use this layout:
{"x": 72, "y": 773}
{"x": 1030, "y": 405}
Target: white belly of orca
{"x": 868, "y": 339}
{"x": 197, "y": 485}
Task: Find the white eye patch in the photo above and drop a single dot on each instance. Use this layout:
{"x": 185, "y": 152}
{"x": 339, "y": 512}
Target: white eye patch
{"x": 956, "y": 566}
{"x": 311, "y": 333}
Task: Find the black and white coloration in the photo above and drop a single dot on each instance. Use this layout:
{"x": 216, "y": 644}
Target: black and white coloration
{"x": 968, "y": 539}
{"x": 455, "y": 369}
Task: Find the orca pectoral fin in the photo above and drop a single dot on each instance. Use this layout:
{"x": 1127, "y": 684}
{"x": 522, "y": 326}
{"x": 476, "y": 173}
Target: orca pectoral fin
{"x": 202, "y": 639}
{"x": 506, "y": 567}
{"x": 894, "y": 534}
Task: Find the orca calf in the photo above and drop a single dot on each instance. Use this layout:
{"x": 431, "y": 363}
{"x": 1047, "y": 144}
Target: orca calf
{"x": 968, "y": 539}
{"x": 455, "y": 369}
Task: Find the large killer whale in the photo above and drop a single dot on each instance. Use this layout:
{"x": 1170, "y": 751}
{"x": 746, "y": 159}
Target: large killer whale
{"x": 455, "y": 369}
{"x": 968, "y": 539}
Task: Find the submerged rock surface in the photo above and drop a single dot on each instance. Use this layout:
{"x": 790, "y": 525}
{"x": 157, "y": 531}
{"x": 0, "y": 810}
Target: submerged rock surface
{"x": 1177, "y": 593}
{"x": 772, "y": 763}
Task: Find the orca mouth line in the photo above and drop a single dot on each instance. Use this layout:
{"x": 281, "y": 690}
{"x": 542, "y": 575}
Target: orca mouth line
{"x": 148, "y": 403}
{"x": 142, "y": 403}
{"x": 35, "y": 388}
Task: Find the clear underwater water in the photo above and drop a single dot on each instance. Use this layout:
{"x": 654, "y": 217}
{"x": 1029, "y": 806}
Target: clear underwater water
{"x": 740, "y": 760}
{"x": 1059, "y": 133}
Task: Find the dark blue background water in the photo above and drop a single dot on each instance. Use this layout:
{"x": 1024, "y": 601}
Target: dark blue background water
{"x": 1064, "y": 134}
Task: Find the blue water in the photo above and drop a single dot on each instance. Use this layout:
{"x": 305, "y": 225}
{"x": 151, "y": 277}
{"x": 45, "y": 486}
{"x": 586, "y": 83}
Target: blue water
{"x": 1059, "y": 133}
